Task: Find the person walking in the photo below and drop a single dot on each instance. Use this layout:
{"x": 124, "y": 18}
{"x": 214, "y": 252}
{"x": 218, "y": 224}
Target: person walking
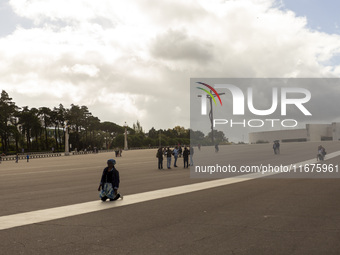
{"x": 168, "y": 157}
{"x": 277, "y": 147}
{"x": 216, "y": 148}
{"x": 109, "y": 182}
{"x": 17, "y": 158}
{"x": 186, "y": 153}
{"x": 159, "y": 155}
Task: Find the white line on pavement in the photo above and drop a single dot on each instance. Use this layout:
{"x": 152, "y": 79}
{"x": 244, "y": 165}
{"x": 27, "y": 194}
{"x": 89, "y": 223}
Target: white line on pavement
{"x": 22, "y": 219}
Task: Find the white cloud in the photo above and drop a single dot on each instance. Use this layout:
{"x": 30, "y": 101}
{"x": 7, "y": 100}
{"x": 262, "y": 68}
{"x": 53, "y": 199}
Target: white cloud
{"x": 90, "y": 70}
{"x": 135, "y": 61}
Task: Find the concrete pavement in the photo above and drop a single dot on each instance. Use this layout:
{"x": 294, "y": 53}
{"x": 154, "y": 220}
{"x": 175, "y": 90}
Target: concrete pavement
{"x": 262, "y": 216}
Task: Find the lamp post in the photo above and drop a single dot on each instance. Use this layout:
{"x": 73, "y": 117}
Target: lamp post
{"x": 211, "y": 116}
{"x": 125, "y": 138}
{"x": 16, "y": 124}
{"x": 86, "y": 116}
{"x": 67, "y": 150}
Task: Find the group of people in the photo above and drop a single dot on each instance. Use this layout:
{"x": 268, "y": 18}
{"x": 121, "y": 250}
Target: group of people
{"x": 320, "y": 155}
{"x": 176, "y": 152}
{"x": 109, "y": 181}
{"x": 118, "y": 152}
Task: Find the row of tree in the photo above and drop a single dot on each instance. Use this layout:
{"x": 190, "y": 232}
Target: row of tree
{"x": 43, "y": 129}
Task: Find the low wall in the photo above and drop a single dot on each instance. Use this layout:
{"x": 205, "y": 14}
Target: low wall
{"x": 34, "y": 155}
{"x": 31, "y": 156}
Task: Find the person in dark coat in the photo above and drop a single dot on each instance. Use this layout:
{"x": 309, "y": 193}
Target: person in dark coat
{"x": 159, "y": 155}
{"x": 109, "y": 183}
{"x": 186, "y": 153}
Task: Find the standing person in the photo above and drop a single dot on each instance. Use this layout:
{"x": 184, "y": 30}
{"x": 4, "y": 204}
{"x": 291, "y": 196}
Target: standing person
{"x": 109, "y": 182}
{"x": 17, "y": 158}
{"x": 28, "y": 158}
{"x": 180, "y": 151}
{"x": 175, "y": 153}
{"x": 168, "y": 157}
{"x": 277, "y": 147}
{"x": 216, "y": 148}
{"x": 191, "y": 155}
{"x": 159, "y": 155}
{"x": 274, "y": 147}
{"x": 186, "y": 157}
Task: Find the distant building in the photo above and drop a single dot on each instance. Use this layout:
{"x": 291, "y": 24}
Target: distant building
{"x": 312, "y": 132}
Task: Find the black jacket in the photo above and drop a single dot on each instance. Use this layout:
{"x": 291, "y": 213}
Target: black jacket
{"x": 168, "y": 153}
{"x": 186, "y": 153}
{"x": 110, "y": 177}
{"x": 160, "y": 154}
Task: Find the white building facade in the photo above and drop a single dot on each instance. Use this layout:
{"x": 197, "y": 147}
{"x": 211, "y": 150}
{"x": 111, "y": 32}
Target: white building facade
{"x": 312, "y": 132}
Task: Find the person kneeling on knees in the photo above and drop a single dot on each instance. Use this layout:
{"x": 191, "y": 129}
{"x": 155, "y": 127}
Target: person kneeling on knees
{"x": 109, "y": 182}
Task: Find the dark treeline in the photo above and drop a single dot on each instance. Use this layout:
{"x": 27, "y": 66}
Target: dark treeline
{"x": 32, "y": 129}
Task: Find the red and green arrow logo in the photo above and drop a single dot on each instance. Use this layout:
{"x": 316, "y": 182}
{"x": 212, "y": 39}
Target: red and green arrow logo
{"x": 208, "y": 92}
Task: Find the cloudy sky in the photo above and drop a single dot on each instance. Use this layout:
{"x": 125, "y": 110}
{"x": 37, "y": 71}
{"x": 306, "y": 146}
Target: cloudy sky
{"x": 132, "y": 60}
